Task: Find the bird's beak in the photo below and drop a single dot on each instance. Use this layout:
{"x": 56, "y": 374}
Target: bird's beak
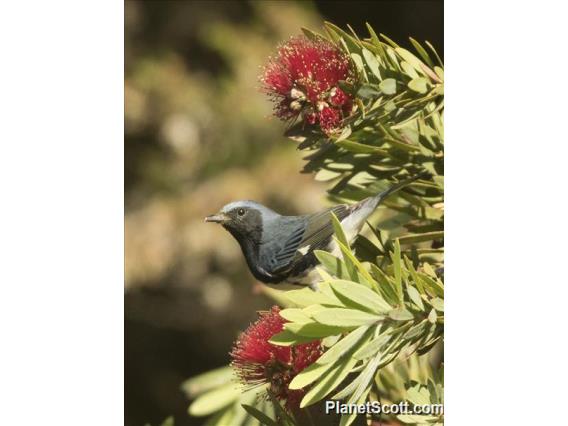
{"x": 217, "y": 218}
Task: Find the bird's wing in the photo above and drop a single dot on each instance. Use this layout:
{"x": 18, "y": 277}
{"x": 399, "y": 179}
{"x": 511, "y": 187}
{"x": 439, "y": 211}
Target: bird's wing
{"x": 315, "y": 235}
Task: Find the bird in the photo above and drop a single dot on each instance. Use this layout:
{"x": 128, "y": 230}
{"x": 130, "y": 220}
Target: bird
{"x": 281, "y": 249}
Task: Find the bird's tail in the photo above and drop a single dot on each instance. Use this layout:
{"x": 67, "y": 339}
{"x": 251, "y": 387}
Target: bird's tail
{"x": 376, "y": 200}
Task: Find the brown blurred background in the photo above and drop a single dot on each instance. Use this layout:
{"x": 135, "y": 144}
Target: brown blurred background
{"x": 198, "y": 134}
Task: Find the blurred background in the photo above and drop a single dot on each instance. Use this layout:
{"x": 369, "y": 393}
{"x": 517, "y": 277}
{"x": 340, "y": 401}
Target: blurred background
{"x": 198, "y": 134}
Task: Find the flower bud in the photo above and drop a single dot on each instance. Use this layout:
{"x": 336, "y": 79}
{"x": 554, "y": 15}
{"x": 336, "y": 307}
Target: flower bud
{"x": 297, "y": 94}
{"x": 295, "y": 105}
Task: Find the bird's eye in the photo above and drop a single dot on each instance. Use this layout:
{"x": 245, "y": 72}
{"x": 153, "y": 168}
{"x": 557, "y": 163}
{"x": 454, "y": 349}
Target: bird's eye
{"x": 241, "y": 212}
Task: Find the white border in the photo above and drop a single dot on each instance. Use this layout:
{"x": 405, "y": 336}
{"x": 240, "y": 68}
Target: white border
{"x": 61, "y": 229}
{"x": 61, "y": 216}
{"x": 506, "y": 213}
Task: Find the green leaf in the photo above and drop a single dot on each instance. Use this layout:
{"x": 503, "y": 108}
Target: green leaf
{"x": 312, "y": 309}
{"x": 361, "y": 148}
{"x": 438, "y": 304}
{"x": 359, "y": 296}
{"x": 312, "y": 35}
{"x": 215, "y": 400}
{"x": 328, "y": 359}
{"x": 409, "y": 69}
{"x": 388, "y": 86}
{"x": 306, "y": 297}
{"x": 386, "y": 284}
{"x": 309, "y": 375}
{"x": 371, "y": 348}
{"x": 324, "y": 175}
{"x": 295, "y": 315}
{"x": 433, "y": 285}
{"x": 259, "y": 415}
{"x": 418, "y": 395}
{"x": 350, "y": 42}
{"x": 351, "y": 260}
{"x": 402, "y": 145}
{"x": 389, "y": 41}
{"x": 350, "y": 388}
{"x": 368, "y": 91}
{"x": 207, "y": 381}
{"x": 414, "y": 275}
{"x": 287, "y": 338}
{"x": 345, "y": 133}
{"x": 367, "y": 376}
{"x": 361, "y": 107}
{"x": 323, "y": 274}
{"x": 401, "y": 314}
{"x": 281, "y": 413}
{"x": 344, "y": 345}
{"x": 316, "y": 329}
{"x": 338, "y": 230}
{"x": 419, "y": 85}
{"x": 429, "y": 270}
{"x": 373, "y": 34}
{"x": 359, "y": 64}
{"x": 333, "y": 265}
{"x": 395, "y": 256}
{"x": 435, "y": 53}
{"x": 415, "y": 297}
{"x": 329, "y": 381}
{"x": 347, "y": 419}
{"x": 432, "y": 316}
{"x": 223, "y": 417}
{"x": 372, "y": 63}
{"x": 439, "y": 72}
{"x": 168, "y": 422}
{"x": 415, "y": 330}
{"x": 329, "y": 341}
{"x": 425, "y": 57}
{"x": 410, "y": 58}
{"x": 338, "y": 317}
{"x": 417, "y": 419}
{"x": 418, "y": 238}
{"x": 247, "y": 397}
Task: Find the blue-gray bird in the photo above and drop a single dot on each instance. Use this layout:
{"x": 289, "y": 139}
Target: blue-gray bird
{"x": 280, "y": 248}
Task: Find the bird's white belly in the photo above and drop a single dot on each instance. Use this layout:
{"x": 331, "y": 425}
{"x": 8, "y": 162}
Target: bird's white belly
{"x": 310, "y": 277}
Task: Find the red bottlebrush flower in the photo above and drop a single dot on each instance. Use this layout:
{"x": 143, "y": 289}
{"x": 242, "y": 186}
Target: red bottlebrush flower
{"x": 338, "y": 97}
{"x": 304, "y": 74}
{"x": 311, "y": 117}
{"x": 257, "y": 361}
{"x": 329, "y": 119}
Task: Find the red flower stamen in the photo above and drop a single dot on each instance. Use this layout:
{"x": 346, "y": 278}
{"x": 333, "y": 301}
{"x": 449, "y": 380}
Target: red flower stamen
{"x": 329, "y": 119}
{"x": 306, "y": 73}
{"x": 338, "y": 97}
{"x": 257, "y": 361}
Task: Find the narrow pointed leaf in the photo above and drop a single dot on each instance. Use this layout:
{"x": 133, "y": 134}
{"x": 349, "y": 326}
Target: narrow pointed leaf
{"x": 328, "y": 359}
{"x": 259, "y": 415}
{"x": 395, "y": 256}
{"x": 330, "y": 380}
{"x": 338, "y": 317}
{"x": 215, "y": 400}
{"x": 372, "y": 63}
{"x": 401, "y": 315}
{"x": 415, "y": 297}
{"x": 359, "y": 296}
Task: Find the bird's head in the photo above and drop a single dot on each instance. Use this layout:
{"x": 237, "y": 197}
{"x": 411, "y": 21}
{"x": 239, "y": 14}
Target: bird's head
{"x": 243, "y": 219}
